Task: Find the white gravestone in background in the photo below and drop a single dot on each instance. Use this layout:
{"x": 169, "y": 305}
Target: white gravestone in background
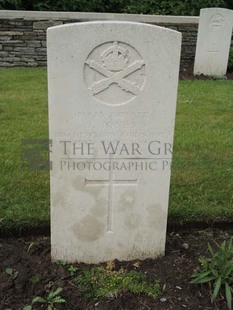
{"x": 112, "y": 103}
{"x": 213, "y": 41}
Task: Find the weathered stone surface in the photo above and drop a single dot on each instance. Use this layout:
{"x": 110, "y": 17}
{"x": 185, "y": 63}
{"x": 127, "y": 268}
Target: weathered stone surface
{"x": 11, "y": 33}
{"x": 40, "y": 58}
{"x": 112, "y": 100}
{"x": 13, "y": 42}
{"x": 20, "y": 64}
{"x": 46, "y": 24}
{"x": 27, "y": 59}
{"x": 5, "y": 38}
{"x": 24, "y": 24}
{"x": 25, "y": 50}
{"x": 30, "y": 44}
{"x": 41, "y": 63}
{"x": 33, "y": 64}
{"x": 213, "y": 42}
{"x": 3, "y": 53}
{"x": 8, "y": 48}
{"x": 41, "y": 50}
{"x": 6, "y": 64}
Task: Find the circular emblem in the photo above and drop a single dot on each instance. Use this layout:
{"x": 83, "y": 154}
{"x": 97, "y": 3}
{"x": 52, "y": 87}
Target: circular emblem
{"x": 217, "y": 20}
{"x": 114, "y": 73}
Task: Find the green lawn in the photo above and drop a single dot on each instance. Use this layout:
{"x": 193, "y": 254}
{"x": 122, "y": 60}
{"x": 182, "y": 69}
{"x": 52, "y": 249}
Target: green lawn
{"x": 202, "y": 178}
{"x": 202, "y": 173}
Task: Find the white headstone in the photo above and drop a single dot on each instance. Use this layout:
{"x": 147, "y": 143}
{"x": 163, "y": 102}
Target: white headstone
{"x": 213, "y": 41}
{"x": 112, "y": 102}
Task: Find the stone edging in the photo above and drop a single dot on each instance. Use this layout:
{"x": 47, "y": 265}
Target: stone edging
{"x": 45, "y": 15}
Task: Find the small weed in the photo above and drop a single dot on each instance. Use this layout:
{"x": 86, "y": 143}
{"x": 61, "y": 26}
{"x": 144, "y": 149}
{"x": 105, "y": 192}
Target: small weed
{"x": 62, "y": 263}
{"x": 12, "y": 273}
{"x": 35, "y": 279}
{"x": 72, "y": 270}
{"x": 217, "y": 271}
{"x": 99, "y": 282}
{"x": 51, "y": 300}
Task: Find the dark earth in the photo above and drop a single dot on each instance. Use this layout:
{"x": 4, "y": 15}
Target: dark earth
{"x": 187, "y": 74}
{"x": 35, "y": 274}
{"x": 30, "y": 257}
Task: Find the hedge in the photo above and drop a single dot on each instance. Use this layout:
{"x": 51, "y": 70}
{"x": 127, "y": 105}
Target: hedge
{"x": 160, "y": 7}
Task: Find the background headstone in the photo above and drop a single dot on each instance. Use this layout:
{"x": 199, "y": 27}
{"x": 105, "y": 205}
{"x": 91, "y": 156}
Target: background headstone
{"x": 213, "y": 41}
{"x": 112, "y": 102}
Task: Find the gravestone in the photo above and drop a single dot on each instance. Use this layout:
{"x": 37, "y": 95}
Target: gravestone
{"x": 213, "y": 41}
{"x": 112, "y": 102}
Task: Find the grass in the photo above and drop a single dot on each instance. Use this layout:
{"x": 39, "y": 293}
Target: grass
{"x": 201, "y": 184}
{"x": 24, "y": 196}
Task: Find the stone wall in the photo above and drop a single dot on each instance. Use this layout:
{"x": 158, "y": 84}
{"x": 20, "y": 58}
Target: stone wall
{"x": 23, "y": 33}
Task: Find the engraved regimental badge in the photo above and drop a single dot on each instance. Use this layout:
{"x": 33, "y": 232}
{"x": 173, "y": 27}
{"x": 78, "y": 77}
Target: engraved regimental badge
{"x": 217, "y": 20}
{"x": 114, "y": 73}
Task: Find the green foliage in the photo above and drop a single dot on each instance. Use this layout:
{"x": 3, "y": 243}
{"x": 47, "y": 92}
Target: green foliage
{"x": 230, "y": 60}
{"x": 217, "y": 271}
{"x": 51, "y": 300}
{"x": 12, "y": 273}
{"x": 175, "y": 7}
{"x": 10, "y": 5}
{"x": 27, "y": 307}
{"x": 99, "y": 282}
{"x": 72, "y": 270}
{"x": 166, "y": 7}
{"x": 62, "y": 263}
{"x": 35, "y": 279}
{"x": 229, "y": 4}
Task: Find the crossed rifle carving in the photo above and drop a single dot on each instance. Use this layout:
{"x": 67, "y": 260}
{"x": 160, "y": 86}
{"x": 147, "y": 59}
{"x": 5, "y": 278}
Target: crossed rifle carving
{"x": 118, "y": 77}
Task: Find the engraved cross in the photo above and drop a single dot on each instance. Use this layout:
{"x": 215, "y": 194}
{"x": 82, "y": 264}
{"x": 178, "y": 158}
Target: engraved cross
{"x": 110, "y": 183}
